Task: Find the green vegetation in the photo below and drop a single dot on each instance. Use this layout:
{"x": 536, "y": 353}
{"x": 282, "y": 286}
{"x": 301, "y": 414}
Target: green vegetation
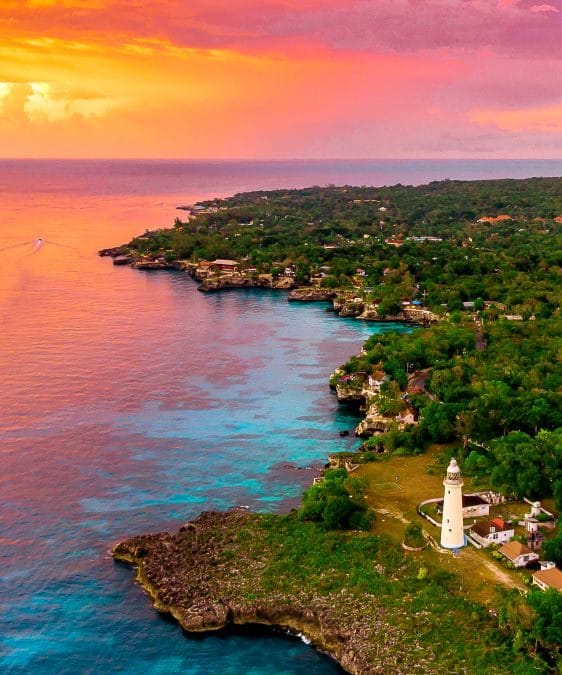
{"x": 420, "y": 603}
{"x": 547, "y": 626}
{"x": 423, "y": 241}
{"x": 502, "y": 402}
{"x": 413, "y": 536}
{"x": 337, "y": 501}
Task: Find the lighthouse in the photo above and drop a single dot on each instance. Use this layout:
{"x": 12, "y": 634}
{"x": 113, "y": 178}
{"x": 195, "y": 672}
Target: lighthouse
{"x": 452, "y": 532}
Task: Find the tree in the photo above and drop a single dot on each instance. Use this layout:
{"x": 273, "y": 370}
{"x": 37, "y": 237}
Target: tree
{"x": 553, "y": 548}
{"x": 547, "y": 627}
{"x": 337, "y": 502}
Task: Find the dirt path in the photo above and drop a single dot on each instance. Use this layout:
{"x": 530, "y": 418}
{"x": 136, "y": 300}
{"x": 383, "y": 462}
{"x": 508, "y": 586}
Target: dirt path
{"x": 494, "y": 570}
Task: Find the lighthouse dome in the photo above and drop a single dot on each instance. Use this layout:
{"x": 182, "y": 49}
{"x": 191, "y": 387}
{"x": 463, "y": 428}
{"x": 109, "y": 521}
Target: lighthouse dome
{"x": 453, "y": 476}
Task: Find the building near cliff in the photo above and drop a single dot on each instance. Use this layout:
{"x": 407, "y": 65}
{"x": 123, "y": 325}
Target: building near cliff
{"x": 452, "y": 532}
{"x": 224, "y": 266}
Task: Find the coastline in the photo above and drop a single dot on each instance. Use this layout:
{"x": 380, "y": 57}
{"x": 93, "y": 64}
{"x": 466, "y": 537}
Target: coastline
{"x": 354, "y": 596}
{"x": 318, "y": 625}
{"x": 327, "y": 626}
{"x": 344, "y": 303}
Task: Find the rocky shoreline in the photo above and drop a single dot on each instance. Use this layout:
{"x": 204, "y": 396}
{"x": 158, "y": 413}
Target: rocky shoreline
{"x": 356, "y": 597}
{"x": 188, "y": 576}
{"x": 212, "y": 574}
{"x": 344, "y": 303}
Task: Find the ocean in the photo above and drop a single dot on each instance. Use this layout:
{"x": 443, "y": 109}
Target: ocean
{"x": 130, "y": 402}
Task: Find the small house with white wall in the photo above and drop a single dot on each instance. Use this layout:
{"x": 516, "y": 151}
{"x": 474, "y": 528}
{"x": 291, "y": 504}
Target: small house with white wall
{"x": 518, "y": 554}
{"x": 549, "y": 576}
{"x": 496, "y": 531}
{"x": 473, "y": 506}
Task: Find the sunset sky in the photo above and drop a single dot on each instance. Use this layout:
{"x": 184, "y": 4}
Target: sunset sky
{"x": 280, "y": 78}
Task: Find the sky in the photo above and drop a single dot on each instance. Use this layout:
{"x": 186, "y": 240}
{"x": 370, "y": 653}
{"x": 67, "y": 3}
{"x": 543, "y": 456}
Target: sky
{"x": 281, "y": 78}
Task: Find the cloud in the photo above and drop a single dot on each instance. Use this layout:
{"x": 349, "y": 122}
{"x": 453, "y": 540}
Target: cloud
{"x": 545, "y": 119}
{"x": 398, "y": 26}
{"x": 42, "y": 103}
{"x": 278, "y": 77}
{"x": 544, "y": 8}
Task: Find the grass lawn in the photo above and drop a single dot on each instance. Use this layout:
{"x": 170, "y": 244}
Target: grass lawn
{"x": 397, "y": 484}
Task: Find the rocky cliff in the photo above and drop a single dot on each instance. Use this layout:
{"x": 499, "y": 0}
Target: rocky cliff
{"x": 202, "y": 578}
{"x": 353, "y": 594}
{"x": 311, "y": 294}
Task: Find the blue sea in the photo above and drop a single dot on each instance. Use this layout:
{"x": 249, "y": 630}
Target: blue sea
{"x": 130, "y": 402}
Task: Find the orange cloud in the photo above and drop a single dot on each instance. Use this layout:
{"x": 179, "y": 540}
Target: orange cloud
{"x": 150, "y": 96}
{"x": 39, "y": 4}
{"x": 544, "y": 119}
{"x": 243, "y": 78}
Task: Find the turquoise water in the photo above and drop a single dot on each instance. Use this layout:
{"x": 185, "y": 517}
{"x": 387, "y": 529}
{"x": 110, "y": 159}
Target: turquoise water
{"x": 130, "y": 402}
{"x": 234, "y": 408}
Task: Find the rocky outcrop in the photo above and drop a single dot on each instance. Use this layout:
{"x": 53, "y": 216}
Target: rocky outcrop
{"x": 373, "y": 423}
{"x": 114, "y": 252}
{"x": 311, "y": 294}
{"x": 210, "y": 575}
{"x": 186, "y": 576}
{"x": 150, "y": 265}
{"x": 122, "y": 260}
{"x": 352, "y": 309}
{"x": 216, "y": 283}
{"x": 350, "y": 395}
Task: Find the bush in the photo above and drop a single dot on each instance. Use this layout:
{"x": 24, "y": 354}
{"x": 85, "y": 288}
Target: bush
{"x": 413, "y": 536}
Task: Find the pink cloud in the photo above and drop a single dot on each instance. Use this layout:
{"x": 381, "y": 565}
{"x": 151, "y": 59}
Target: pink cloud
{"x": 544, "y": 8}
{"x": 508, "y": 26}
{"x": 297, "y": 77}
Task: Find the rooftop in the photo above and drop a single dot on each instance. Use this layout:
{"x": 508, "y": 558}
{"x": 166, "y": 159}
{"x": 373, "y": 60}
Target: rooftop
{"x": 551, "y": 577}
{"x": 513, "y": 549}
{"x": 485, "y": 527}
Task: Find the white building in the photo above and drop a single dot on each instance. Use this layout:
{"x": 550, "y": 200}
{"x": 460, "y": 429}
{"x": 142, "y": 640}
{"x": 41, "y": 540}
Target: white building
{"x": 496, "y": 531}
{"x": 473, "y": 506}
{"x": 518, "y": 553}
{"x": 452, "y": 533}
{"x": 549, "y": 576}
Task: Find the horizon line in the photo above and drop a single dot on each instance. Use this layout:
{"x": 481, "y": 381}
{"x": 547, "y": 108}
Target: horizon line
{"x": 285, "y": 159}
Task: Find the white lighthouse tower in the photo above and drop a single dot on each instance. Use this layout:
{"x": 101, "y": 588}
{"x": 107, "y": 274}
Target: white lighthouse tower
{"x": 452, "y": 532}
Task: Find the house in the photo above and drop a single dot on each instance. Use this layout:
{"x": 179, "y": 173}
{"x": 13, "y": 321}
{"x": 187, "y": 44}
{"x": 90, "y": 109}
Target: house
{"x": 406, "y": 417}
{"x": 549, "y": 576}
{"x": 360, "y": 272}
{"x": 496, "y": 531}
{"x": 472, "y": 506}
{"x": 518, "y": 553}
{"x": 377, "y": 379}
{"x": 223, "y": 266}
{"x": 497, "y": 219}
